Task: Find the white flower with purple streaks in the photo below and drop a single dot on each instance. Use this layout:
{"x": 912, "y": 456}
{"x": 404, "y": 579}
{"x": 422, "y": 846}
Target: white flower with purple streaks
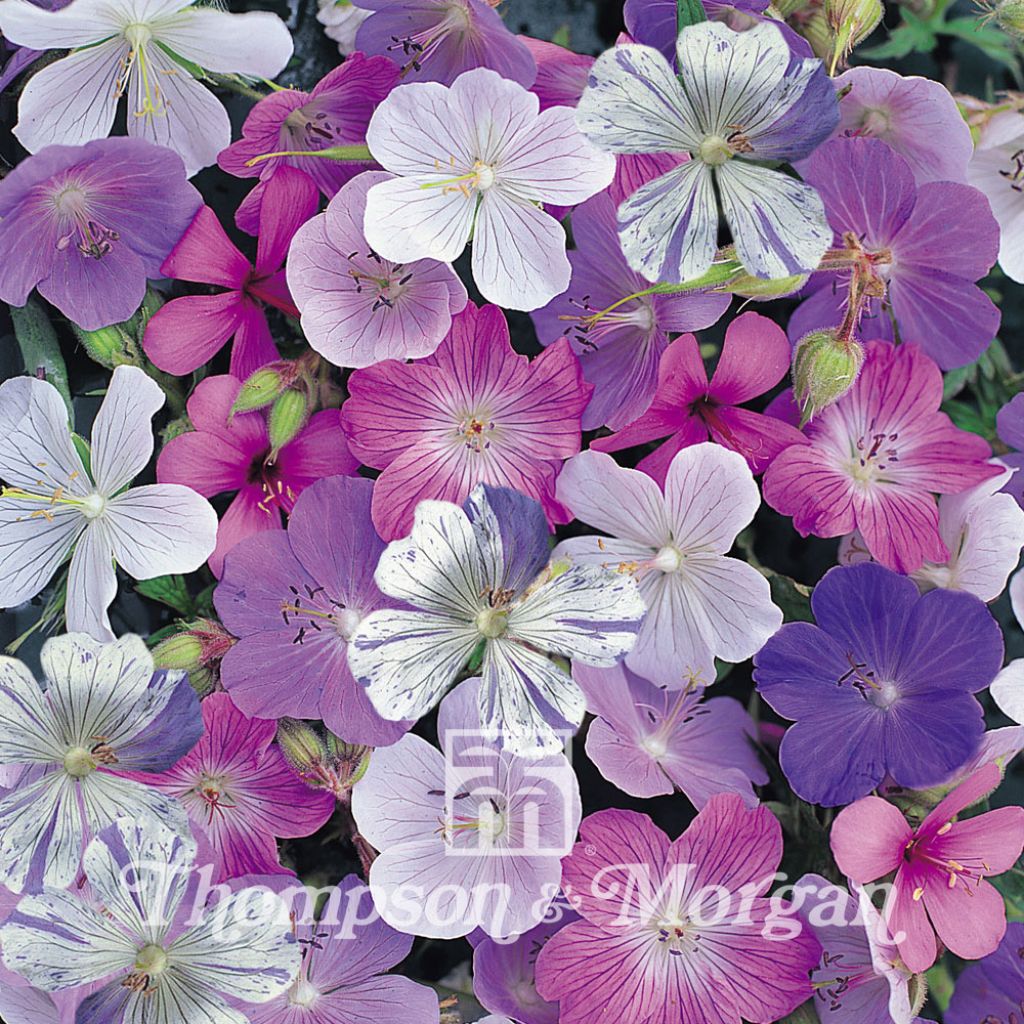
{"x": 477, "y": 160}
{"x": 53, "y": 503}
{"x": 740, "y": 97}
{"x": 104, "y": 710}
{"x": 475, "y": 579}
{"x": 160, "y": 971}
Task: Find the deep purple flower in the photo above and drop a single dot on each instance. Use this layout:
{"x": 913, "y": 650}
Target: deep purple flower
{"x": 882, "y": 685}
{"x": 992, "y": 989}
{"x": 86, "y": 225}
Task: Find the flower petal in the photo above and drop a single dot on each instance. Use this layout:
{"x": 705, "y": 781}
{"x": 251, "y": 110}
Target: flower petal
{"x": 32, "y": 549}
{"x": 255, "y": 43}
{"x": 92, "y": 584}
{"x": 868, "y": 839}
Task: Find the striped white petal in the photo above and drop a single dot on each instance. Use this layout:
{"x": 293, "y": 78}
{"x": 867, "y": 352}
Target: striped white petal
{"x": 27, "y": 731}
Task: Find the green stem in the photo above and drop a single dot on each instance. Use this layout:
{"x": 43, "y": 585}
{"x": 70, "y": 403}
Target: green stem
{"x": 235, "y": 84}
{"x": 359, "y": 153}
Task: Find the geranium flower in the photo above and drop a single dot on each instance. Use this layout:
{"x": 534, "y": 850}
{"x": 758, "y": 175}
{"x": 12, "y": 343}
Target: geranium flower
{"x": 472, "y": 578}
{"x": 1010, "y": 429}
{"x": 357, "y": 308}
{"x": 619, "y": 350}
{"x": 104, "y": 710}
{"x": 52, "y": 504}
{"x": 649, "y": 741}
{"x": 485, "y": 854}
{"x": 90, "y": 224}
{"x": 294, "y": 599}
{"x": 561, "y": 73}
{"x": 897, "y": 228}
{"x": 187, "y": 332}
{"x": 755, "y": 357}
{"x": 742, "y": 97}
{"x": 474, "y": 412}
{"x": 231, "y": 453}
{"x": 459, "y": 175}
{"x": 701, "y": 605}
{"x": 992, "y": 989}
{"x": 874, "y": 460}
{"x": 883, "y": 684}
{"x": 437, "y": 40}
{"x": 151, "y": 49}
{"x": 941, "y": 868}
{"x": 655, "y": 950}
{"x": 335, "y": 113}
{"x": 159, "y": 971}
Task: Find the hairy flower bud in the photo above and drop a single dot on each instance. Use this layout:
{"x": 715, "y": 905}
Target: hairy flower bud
{"x": 1009, "y": 16}
{"x": 301, "y": 745}
{"x": 321, "y": 759}
{"x": 259, "y": 389}
{"x": 815, "y": 29}
{"x": 825, "y": 367}
{"x": 197, "y": 650}
{"x": 761, "y": 289}
{"x": 108, "y": 346}
{"x": 852, "y": 21}
{"x": 288, "y": 416}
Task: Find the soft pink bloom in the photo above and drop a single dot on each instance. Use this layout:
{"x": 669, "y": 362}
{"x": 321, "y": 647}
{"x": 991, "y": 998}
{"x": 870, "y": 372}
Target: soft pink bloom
{"x": 941, "y": 868}
{"x": 187, "y": 332}
{"x": 226, "y": 453}
{"x": 643, "y": 954}
{"x": 473, "y": 412}
{"x": 240, "y": 792}
{"x": 875, "y": 460}
{"x": 688, "y": 409}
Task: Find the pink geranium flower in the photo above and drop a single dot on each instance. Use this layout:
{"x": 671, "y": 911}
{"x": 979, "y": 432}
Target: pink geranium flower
{"x": 240, "y": 792}
{"x": 231, "y": 453}
{"x": 688, "y": 409}
{"x": 940, "y": 869}
{"x": 187, "y": 332}
{"x": 473, "y": 412}
{"x": 875, "y": 460}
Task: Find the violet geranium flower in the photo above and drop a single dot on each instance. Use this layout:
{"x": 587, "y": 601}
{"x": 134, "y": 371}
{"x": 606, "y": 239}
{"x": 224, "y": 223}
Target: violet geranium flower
{"x": 650, "y": 949}
{"x": 942, "y": 868}
{"x": 992, "y": 989}
{"x": 478, "y": 159}
{"x": 875, "y": 459}
{"x": 1010, "y": 428}
{"x": 90, "y": 223}
{"x": 883, "y": 684}
{"x": 230, "y": 453}
{"x": 473, "y": 412}
{"x": 294, "y": 600}
{"x": 476, "y": 579}
{"x": 741, "y": 97}
{"x": 357, "y": 308}
{"x": 189, "y": 331}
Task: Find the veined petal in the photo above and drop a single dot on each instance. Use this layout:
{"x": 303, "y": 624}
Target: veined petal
{"x": 92, "y": 584}
{"x": 32, "y": 549}
{"x": 29, "y": 25}
{"x": 172, "y": 1000}
{"x": 27, "y": 730}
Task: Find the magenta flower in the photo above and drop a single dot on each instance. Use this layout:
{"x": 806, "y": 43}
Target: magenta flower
{"x": 226, "y": 453}
{"x": 473, "y": 412}
{"x": 357, "y": 308}
{"x": 240, "y": 792}
{"x": 187, "y": 332}
{"x": 666, "y": 935}
{"x": 755, "y": 357}
{"x": 561, "y": 73}
{"x": 941, "y": 868}
{"x": 875, "y": 460}
{"x": 335, "y": 113}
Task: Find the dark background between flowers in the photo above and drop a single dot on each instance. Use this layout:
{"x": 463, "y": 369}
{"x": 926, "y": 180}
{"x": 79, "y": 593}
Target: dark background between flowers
{"x": 590, "y": 25}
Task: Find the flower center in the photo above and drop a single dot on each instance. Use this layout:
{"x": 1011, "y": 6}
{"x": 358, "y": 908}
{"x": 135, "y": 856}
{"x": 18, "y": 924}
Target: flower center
{"x": 312, "y": 611}
{"x": 454, "y": 18}
{"x": 1015, "y": 173}
{"x": 590, "y": 326}
{"x": 303, "y": 994}
{"x": 385, "y": 282}
{"x": 138, "y": 37}
{"x": 309, "y": 128}
{"x": 715, "y": 150}
{"x": 475, "y": 430}
{"x": 675, "y": 935}
{"x": 875, "y": 123}
{"x": 668, "y": 559}
{"x": 492, "y": 622}
{"x": 93, "y": 505}
{"x": 71, "y": 205}
{"x": 873, "y": 454}
{"x": 655, "y": 746}
{"x": 79, "y": 762}
{"x": 150, "y": 963}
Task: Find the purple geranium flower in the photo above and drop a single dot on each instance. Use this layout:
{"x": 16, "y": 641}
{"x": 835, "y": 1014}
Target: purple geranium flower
{"x": 902, "y": 231}
{"x": 89, "y": 224}
{"x": 335, "y": 113}
{"x": 993, "y": 989}
{"x": 619, "y": 350}
{"x": 437, "y": 40}
{"x": 293, "y": 599}
{"x": 883, "y": 685}
{"x": 1010, "y": 427}
{"x": 357, "y": 308}
{"x": 651, "y": 741}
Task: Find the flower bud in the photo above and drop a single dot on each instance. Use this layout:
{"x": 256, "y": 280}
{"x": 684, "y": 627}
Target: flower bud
{"x": 197, "y": 650}
{"x": 301, "y": 745}
{"x": 815, "y": 29}
{"x": 288, "y": 416}
{"x": 749, "y": 287}
{"x": 259, "y": 390}
{"x": 852, "y": 21}
{"x": 1009, "y": 16}
{"x": 824, "y": 369}
{"x": 109, "y": 346}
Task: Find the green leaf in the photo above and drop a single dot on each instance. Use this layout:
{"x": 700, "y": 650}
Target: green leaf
{"x": 793, "y": 598}
{"x": 910, "y": 37}
{"x": 690, "y": 12}
{"x": 561, "y": 36}
{"x": 966, "y": 417}
{"x": 168, "y": 590}
{"x": 40, "y": 349}
{"x": 805, "y": 1014}
{"x": 990, "y": 41}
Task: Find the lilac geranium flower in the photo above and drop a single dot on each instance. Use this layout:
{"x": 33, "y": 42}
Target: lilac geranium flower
{"x": 437, "y": 40}
{"x": 341, "y": 21}
{"x": 149, "y": 49}
{"x": 741, "y": 97}
{"x": 294, "y": 600}
{"x": 701, "y": 604}
{"x": 992, "y": 989}
{"x": 996, "y": 169}
{"x": 1010, "y": 428}
{"x": 90, "y": 223}
{"x": 650, "y": 741}
{"x": 357, "y": 308}
{"x": 52, "y": 503}
{"x": 104, "y": 710}
{"x": 478, "y": 159}
{"x": 618, "y": 350}
{"x": 475, "y": 580}
{"x": 900, "y": 230}
{"x": 156, "y": 969}
{"x": 476, "y": 831}
{"x": 884, "y": 684}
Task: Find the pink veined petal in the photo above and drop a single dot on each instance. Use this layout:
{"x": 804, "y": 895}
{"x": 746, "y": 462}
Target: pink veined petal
{"x": 868, "y": 839}
{"x": 970, "y": 918}
{"x": 758, "y": 438}
{"x": 206, "y": 255}
{"x": 320, "y": 450}
{"x": 289, "y": 200}
{"x": 976, "y": 786}
{"x": 694, "y": 431}
{"x": 187, "y": 332}
{"x": 92, "y": 584}
{"x": 755, "y": 357}
{"x": 994, "y": 839}
{"x": 244, "y": 517}
{"x": 254, "y": 344}
{"x": 900, "y": 527}
{"x": 273, "y": 290}
{"x": 907, "y": 917}
{"x": 801, "y": 483}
